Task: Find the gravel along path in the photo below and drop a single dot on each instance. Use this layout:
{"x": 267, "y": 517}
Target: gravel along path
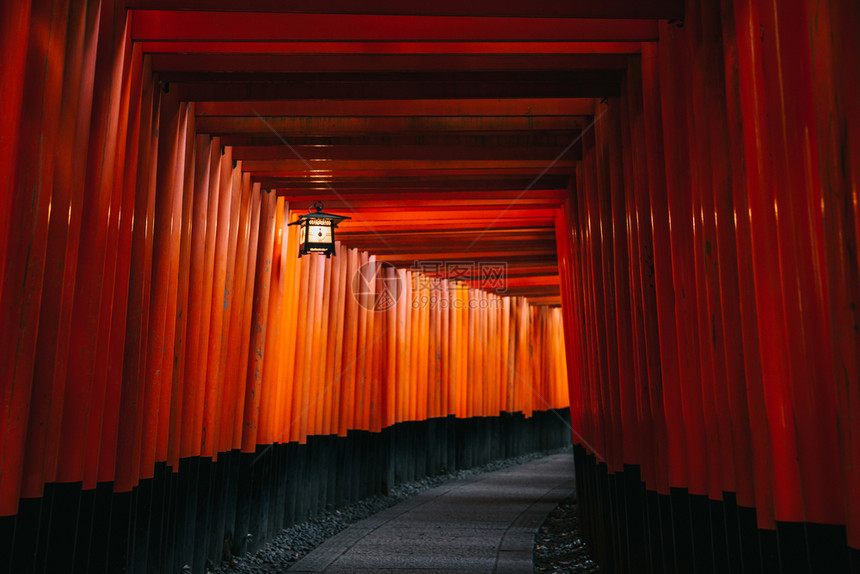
{"x": 295, "y": 542}
{"x": 558, "y": 546}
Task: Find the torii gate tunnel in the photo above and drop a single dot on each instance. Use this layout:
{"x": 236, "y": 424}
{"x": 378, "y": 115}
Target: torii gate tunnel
{"x": 646, "y": 211}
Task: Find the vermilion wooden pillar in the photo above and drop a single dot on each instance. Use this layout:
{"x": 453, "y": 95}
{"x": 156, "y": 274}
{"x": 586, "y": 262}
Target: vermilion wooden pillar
{"x": 774, "y": 349}
{"x": 24, "y": 226}
{"x": 74, "y": 127}
{"x": 90, "y": 325}
{"x": 624, "y": 336}
{"x": 349, "y": 347}
{"x": 259, "y": 321}
{"x": 598, "y": 380}
{"x": 178, "y": 428}
{"x": 270, "y": 357}
{"x": 589, "y": 357}
{"x": 176, "y": 182}
{"x": 61, "y": 251}
{"x": 212, "y": 182}
{"x": 14, "y": 18}
{"x": 230, "y": 300}
{"x": 242, "y": 294}
{"x": 167, "y": 198}
{"x": 606, "y": 134}
{"x": 248, "y": 310}
{"x": 569, "y": 240}
{"x": 137, "y": 320}
{"x": 838, "y": 141}
{"x": 213, "y": 378}
{"x": 729, "y": 238}
{"x": 738, "y": 38}
{"x": 192, "y": 388}
{"x": 125, "y": 180}
{"x": 644, "y": 303}
{"x": 676, "y": 145}
{"x": 659, "y": 220}
{"x": 704, "y": 253}
{"x": 798, "y": 194}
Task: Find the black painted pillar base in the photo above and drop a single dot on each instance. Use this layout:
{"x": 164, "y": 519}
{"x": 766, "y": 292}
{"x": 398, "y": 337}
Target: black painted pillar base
{"x": 629, "y": 529}
{"x": 209, "y": 511}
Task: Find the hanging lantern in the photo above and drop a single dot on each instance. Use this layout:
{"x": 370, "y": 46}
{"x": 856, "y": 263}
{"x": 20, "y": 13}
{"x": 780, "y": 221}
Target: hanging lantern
{"x": 316, "y": 230}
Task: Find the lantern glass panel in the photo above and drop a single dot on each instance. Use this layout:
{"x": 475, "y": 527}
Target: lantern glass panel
{"x": 320, "y": 233}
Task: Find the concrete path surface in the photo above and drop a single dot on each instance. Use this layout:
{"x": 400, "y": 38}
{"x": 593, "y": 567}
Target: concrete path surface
{"x": 485, "y": 523}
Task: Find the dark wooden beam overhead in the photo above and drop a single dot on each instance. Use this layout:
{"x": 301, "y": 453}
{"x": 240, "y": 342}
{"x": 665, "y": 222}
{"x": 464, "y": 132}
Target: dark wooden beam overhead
{"x": 366, "y": 63}
{"x": 427, "y": 184}
{"x": 544, "y": 233}
{"x": 185, "y": 25}
{"x": 418, "y": 85}
{"x": 400, "y": 108}
{"x": 449, "y": 197}
{"x": 560, "y": 139}
{"x": 653, "y": 9}
{"x": 382, "y": 48}
{"x": 522, "y": 257}
{"x": 334, "y": 126}
{"x": 322, "y": 175}
{"x": 402, "y": 153}
{"x": 354, "y": 166}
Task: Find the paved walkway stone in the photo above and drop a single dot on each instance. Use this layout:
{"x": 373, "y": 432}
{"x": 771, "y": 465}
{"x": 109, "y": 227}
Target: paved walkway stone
{"x": 485, "y": 523}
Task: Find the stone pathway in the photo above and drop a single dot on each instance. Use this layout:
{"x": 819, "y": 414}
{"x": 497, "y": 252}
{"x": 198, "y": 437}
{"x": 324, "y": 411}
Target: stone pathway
{"x": 481, "y": 524}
